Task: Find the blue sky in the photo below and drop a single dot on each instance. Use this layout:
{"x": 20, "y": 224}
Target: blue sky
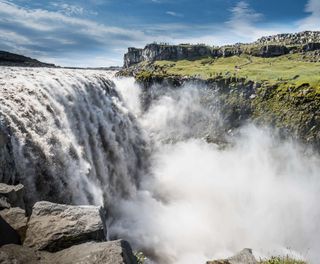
{"x": 98, "y": 32}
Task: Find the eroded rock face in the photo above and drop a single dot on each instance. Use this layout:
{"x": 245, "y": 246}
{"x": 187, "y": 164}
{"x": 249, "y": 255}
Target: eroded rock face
{"x": 53, "y": 227}
{"x": 243, "y": 257}
{"x": 11, "y": 196}
{"x": 112, "y": 252}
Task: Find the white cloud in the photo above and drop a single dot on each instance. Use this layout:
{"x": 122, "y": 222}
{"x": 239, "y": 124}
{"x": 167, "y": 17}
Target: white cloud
{"x": 39, "y": 32}
{"x": 68, "y": 9}
{"x": 243, "y": 23}
{"x": 68, "y": 33}
{"x": 312, "y": 22}
{"x": 175, "y": 14}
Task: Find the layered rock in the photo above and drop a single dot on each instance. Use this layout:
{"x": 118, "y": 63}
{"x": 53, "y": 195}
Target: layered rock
{"x": 53, "y": 227}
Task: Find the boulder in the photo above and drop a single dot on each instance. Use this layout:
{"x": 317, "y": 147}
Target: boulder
{"x": 112, "y": 252}
{"x": 53, "y": 227}
{"x": 243, "y": 257}
{"x": 11, "y": 196}
{"x": 16, "y": 218}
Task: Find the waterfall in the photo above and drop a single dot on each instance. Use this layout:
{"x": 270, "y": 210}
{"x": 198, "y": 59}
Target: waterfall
{"x": 182, "y": 187}
{"x": 67, "y": 136}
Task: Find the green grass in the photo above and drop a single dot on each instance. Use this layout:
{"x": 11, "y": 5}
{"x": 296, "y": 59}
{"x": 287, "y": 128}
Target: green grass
{"x": 282, "y": 260}
{"x": 289, "y": 70}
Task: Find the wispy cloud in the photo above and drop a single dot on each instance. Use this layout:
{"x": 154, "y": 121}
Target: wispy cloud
{"x": 174, "y": 14}
{"x": 50, "y": 34}
{"x": 243, "y": 21}
{"x": 312, "y": 22}
{"x": 65, "y": 34}
{"x": 68, "y": 9}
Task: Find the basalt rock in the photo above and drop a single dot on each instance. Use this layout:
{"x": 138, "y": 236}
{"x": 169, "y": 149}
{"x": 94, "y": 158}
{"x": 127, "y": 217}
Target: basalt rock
{"x": 53, "y": 227}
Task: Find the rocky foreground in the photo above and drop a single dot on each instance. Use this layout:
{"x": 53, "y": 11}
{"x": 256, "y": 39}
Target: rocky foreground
{"x": 55, "y": 233}
{"x": 66, "y": 234}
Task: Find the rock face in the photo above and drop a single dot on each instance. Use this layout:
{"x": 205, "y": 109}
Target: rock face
{"x": 243, "y": 257}
{"x": 11, "y": 59}
{"x": 154, "y": 52}
{"x": 271, "y": 46}
{"x": 53, "y": 227}
{"x": 112, "y": 252}
{"x": 11, "y": 196}
{"x": 273, "y": 51}
{"x": 291, "y": 39}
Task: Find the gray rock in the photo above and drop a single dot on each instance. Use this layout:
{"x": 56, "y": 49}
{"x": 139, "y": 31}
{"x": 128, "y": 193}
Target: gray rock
{"x": 243, "y": 257}
{"x": 11, "y": 196}
{"x": 16, "y": 218}
{"x": 16, "y": 254}
{"x": 53, "y": 227}
{"x": 273, "y": 51}
{"x": 112, "y": 252}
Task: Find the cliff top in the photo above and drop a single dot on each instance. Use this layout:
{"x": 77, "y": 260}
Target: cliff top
{"x": 12, "y": 59}
{"x": 270, "y": 46}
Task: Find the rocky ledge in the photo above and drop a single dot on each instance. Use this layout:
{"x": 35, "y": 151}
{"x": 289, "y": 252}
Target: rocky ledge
{"x": 55, "y": 233}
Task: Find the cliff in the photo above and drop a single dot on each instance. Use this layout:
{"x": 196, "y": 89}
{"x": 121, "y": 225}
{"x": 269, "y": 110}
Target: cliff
{"x": 274, "y": 81}
{"x": 11, "y": 59}
{"x": 266, "y": 47}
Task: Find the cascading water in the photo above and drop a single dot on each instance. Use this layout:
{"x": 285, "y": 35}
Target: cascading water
{"x": 181, "y": 188}
{"x": 204, "y": 200}
{"x": 67, "y": 137}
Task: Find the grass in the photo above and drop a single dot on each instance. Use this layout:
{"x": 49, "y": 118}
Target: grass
{"x": 290, "y": 70}
{"x": 282, "y": 260}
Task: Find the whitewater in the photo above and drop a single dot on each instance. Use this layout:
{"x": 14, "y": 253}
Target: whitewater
{"x": 175, "y": 183}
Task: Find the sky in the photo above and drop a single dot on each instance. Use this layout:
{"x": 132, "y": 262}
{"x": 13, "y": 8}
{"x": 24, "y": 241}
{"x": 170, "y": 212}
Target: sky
{"x": 96, "y": 33}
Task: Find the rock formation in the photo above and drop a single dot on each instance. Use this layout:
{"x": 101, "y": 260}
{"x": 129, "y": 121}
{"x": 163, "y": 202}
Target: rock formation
{"x": 111, "y": 252}
{"x": 271, "y": 46}
{"x": 57, "y": 233}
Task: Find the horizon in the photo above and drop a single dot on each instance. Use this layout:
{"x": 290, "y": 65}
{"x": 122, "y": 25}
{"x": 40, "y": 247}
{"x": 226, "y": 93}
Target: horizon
{"x": 97, "y": 33}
